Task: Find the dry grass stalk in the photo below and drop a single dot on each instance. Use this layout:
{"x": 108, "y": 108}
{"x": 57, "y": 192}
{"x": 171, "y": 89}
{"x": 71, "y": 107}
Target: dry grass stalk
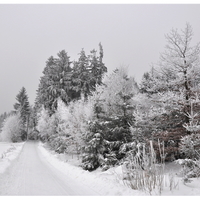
{"x": 142, "y": 171}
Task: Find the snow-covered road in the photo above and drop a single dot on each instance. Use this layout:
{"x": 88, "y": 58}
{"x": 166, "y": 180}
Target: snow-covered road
{"x": 31, "y": 174}
{"x": 31, "y": 168}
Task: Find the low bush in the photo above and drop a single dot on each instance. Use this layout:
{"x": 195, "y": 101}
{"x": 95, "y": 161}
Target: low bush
{"x": 190, "y": 169}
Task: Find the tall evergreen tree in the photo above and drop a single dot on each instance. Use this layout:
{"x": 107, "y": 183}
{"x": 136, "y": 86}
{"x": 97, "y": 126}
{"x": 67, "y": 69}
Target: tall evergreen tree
{"x": 81, "y": 76}
{"x": 22, "y": 107}
{"x": 96, "y": 67}
{"x": 55, "y": 82}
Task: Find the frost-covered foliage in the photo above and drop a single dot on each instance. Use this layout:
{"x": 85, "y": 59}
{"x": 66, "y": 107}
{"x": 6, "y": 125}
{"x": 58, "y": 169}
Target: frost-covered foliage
{"x": 44, "y": 125}
{"x": 178, "y": 67}
{"x": 93, "y": 152}
{"x": 116, "y": 92}
{"x": 172, "y": 87}
{"x": 66, "y": 128}
{"x": 159, "y": 116}
{"x": 190, "y": 146}
{"x": 12, "y": 129}
{"x": 81, "y": 113}
{"x": 51, "y": 130}
{"x": 193, "y": 125}
{"x": 69, "y": 80}
{"x": 2, "y": 119}
{"x": 105, "y": 119}
{"x": 72, "y": 123}
{"x": 22, "y": 106}
{"x": 146, "y": 110}
{"x": 113, "y": 108}
{"x": 190, "y": 169}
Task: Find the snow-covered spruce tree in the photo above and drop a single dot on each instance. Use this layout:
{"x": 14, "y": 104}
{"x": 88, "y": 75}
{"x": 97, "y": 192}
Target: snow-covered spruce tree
{"x": 55, "y": 82}
{"x": 12, "y": 129}
{"x": 190, "y": 144}
{"x": 97, "y": 67}
{"x": 149, "y": 83}
{"x": 81, "y": 75}
{"x": 113, "y": 109}
{"x": 22, "y": 106}
{"x": 88, "y": 72}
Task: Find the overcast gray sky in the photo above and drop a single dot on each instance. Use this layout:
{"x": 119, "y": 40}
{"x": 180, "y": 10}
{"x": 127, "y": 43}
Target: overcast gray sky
{"x": 131, "y": 34}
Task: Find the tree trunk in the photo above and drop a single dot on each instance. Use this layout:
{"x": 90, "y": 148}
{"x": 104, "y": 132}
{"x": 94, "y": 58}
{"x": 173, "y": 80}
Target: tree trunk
{"x": 27, "y": 125}
{"x": 187, "y": 97}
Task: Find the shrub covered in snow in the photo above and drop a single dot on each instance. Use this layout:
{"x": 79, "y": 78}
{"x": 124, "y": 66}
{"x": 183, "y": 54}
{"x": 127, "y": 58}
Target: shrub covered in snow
{"x": 190, "y": 146}
{"x": 190, "y": 169}
{"x": 44, "y": 125}
{"x": 12, "y": 130}
{"x": 66, "y": 128}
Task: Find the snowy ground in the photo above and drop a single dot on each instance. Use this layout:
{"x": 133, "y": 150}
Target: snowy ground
{"x": 35, "y": 159}
{"x": 111, "y": 182}
{"x": 103, "y": 183}
{"x": 30, "y": 174}
{"x": 8, "y": 152}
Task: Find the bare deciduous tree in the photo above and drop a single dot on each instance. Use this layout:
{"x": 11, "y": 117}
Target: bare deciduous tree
{"x": 180, "y": 62}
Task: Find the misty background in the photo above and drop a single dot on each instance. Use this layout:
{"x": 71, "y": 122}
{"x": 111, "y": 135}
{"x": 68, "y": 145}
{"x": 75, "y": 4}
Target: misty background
{"x": 131, "y": 35}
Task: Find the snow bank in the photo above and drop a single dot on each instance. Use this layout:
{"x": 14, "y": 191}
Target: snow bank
{"x": 8, "y": 152}
{"x": 110, "y": 182}
{"x": 103, "y": 183}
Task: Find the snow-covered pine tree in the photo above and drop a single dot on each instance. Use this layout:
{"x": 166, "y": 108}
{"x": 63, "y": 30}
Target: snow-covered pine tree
{"x": 96, "y": 67}
{"x": 23, "y": 107}
{"x": 55, "y": 82}
{"x": 190, "y": 144}
{"x": 88, "y": 72}
{"x": 81, "y": 76}
{"x": 114, "y": 115}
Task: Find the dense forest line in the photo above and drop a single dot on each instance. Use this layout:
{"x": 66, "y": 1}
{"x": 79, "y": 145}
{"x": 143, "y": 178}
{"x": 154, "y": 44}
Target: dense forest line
{"x": 106, "y": 118}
